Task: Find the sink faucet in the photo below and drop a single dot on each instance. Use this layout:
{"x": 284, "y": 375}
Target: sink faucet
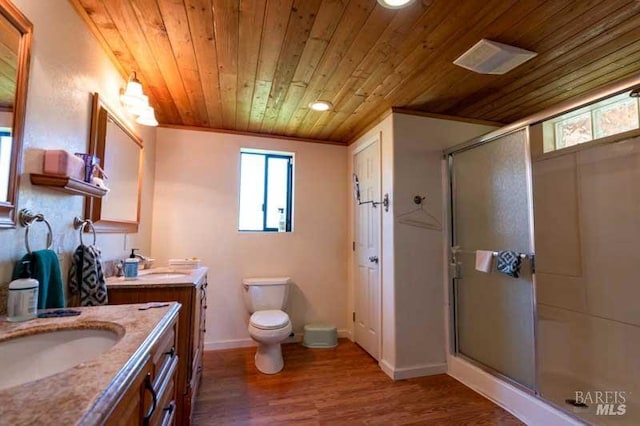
{"x": 145, "y": 262}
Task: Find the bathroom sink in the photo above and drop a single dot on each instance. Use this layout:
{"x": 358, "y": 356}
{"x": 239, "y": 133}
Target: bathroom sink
{"x": 33, "y": 357}
{"x": 161, "y": 275}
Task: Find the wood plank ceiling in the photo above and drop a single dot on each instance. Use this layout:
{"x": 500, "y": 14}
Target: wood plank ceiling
{"x": 255, "y": 65}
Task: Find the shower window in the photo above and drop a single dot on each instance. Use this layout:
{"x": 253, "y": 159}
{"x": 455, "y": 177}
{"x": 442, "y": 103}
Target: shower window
{"x": 611, "y": 116}
{"x": 266, "y": 191}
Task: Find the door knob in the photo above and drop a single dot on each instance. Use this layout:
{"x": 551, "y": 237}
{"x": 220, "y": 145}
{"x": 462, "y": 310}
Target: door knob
{"x": 373, "y": 259}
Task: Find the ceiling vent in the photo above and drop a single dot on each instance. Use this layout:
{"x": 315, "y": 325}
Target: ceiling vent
{"x": 491, "y": 57}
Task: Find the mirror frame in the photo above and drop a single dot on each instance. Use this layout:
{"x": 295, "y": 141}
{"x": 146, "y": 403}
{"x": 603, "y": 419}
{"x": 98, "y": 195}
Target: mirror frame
{"x": 97, "y": 141}
{"x": 25, "y": 27}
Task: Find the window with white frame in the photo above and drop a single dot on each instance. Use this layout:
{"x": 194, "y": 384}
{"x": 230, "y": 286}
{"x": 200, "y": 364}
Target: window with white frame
{"x": 6, "y": 145}
{"x": 266, "y": 191}
{"x": 617, "y": 114}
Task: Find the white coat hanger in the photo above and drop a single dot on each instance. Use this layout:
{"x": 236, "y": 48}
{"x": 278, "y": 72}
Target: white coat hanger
{"x": 419, "y": 217}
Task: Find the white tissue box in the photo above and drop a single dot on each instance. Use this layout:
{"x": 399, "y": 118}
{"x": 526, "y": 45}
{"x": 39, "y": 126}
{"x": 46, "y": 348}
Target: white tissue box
{"x": 193, "y": 263}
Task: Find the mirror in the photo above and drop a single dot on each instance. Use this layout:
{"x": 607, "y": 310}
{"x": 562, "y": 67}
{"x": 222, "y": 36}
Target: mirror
{"x": 120, "y": 154}
{"x": 15, "y": 47}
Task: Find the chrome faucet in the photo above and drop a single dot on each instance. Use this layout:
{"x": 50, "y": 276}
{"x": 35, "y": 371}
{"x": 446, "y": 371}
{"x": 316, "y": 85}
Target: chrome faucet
{"x": 145, "y": 262}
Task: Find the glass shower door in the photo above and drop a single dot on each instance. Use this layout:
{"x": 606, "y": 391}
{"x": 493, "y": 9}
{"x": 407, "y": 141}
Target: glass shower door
{"x": 491, "y": 210}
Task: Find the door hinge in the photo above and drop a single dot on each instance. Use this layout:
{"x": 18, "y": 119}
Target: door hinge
{"x": 354, "y": 246}
{"x": 354, "y": 316}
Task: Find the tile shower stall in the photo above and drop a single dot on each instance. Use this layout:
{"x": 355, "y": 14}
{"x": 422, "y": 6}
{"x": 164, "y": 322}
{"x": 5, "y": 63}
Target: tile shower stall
{"x": 568, "y": 328}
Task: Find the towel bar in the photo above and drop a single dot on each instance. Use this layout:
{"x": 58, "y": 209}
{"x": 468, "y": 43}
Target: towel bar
{"x": 455, "y": 250}
{"x": 81, "y": 225}
{"x": 26, "y": 218}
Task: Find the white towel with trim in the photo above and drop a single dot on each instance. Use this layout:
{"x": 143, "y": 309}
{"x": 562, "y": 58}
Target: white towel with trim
{"x": 484, "y": 260}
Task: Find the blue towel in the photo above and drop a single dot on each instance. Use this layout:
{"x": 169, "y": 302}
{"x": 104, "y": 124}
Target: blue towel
{"x": 45, "y": 268}
{"x": 509, "y": 263}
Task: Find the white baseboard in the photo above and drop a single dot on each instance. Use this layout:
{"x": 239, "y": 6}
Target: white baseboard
{"x": 411, "y": 372}
{"x": 526, "y": 407}
{"x": 248, "y": 342}
{"x": 345, "y": 334}
{"x": 229, "y": 344}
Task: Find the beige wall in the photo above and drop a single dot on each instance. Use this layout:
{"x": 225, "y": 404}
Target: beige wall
{"x": 420, "y": 296}
{"x": 413, "y": 299}
{"x": 196, "y": 214}
{"x": 67, "y": 65}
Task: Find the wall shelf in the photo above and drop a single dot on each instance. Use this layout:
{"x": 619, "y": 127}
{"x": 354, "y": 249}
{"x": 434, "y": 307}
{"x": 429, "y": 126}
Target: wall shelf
{"x": 68, "y": 184}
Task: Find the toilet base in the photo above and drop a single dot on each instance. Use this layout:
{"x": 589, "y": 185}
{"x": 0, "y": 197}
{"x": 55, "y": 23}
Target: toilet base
{"x": 269, "y": 358}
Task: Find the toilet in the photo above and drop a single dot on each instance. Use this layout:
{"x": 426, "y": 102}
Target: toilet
{"x": 269, "y": 325}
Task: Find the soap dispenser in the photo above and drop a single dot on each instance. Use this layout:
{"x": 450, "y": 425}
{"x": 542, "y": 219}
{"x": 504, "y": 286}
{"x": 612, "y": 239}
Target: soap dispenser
{"x": 23, "y": 296}
{"x": 131, "y": 266}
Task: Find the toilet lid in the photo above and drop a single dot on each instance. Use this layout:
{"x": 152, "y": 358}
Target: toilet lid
{"x": 269, "y": 320}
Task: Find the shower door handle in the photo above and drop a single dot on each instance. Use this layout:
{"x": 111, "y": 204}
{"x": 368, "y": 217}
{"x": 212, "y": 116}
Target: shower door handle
{"x": 373, "y": 259}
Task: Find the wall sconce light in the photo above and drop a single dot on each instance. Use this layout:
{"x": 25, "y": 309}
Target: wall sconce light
{"x": 147, "y": 117}
{"x": 137, "y": 103}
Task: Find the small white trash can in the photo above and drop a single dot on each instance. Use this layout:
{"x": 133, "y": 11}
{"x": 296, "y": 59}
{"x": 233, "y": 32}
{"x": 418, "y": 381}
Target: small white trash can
{"x": 320, "y": 336}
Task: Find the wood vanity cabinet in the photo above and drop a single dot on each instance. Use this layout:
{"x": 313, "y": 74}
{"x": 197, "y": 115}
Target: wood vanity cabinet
{"x": 191, "y": 328}
{"x": 151, "y": 397}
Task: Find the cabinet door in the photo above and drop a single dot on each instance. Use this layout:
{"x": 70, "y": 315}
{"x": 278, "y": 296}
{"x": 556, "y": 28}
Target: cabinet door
{"x": 199, "y": 321}
{"x": 131, "y": 408}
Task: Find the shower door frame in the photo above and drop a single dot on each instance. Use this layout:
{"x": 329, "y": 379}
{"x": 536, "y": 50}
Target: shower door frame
{"x": 563, "y": 107}
{"x": 451, "y": 280}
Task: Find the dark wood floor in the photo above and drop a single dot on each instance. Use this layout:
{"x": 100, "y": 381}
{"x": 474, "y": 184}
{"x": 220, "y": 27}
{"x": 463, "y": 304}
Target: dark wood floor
{"x": 341, "y": 386}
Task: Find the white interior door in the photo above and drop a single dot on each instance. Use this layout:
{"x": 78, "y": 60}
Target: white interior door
{"x": 367, "y": 251}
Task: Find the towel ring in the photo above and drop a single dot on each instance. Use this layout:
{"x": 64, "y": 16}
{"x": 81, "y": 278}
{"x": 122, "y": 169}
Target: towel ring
{"x": 81, "y": 225}
{"x": 26, "y": 219}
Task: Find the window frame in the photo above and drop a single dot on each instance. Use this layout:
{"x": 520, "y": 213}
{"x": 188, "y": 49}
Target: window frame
{"x": 289, "y": 202}
{"x": 551, "y": 142}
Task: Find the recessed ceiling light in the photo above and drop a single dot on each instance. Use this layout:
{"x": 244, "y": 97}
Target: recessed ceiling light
{"x": 395, "y": 4}
{"x": 321, "y": 105}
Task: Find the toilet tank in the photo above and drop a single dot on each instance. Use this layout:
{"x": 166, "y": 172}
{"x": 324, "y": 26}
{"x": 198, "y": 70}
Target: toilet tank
{"x": 261, "y": 294}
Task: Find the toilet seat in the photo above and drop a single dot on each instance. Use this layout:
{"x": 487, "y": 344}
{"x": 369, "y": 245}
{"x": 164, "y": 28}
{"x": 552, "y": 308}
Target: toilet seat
{"x": 272, "y": 319}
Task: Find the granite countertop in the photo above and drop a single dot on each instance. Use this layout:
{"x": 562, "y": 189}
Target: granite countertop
{"x": 164, "y": 276}
{"x": 86, "y": 393}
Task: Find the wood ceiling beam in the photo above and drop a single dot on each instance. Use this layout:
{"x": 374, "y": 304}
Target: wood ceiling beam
{"x": 125, "y": 20}
{"x": 200, "y": 20}
{"x": 252, "y": 13}
{"x": 226, "y": 24}
{"x": 274, "y": 29}
{"x": 301, "y": 20}
{"x": 176, "y": 26}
